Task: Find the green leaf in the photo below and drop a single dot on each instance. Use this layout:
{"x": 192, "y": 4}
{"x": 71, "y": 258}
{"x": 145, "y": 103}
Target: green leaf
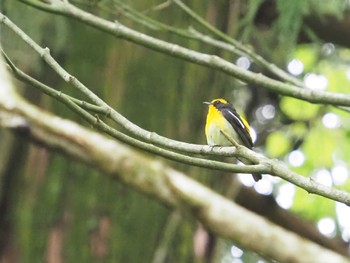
{"x": 298, "y": 129}
{"x": 337, "y": 78}
{"x": 312, "y": 206}
{"x": 297, "y": 109}
{"x": 277, "y": 144}
{"x": 319, "y": 147}
{"x": 308, "y": 55}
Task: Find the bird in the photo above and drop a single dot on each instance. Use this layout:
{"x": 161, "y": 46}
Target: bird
{"x": 224, "y": 122}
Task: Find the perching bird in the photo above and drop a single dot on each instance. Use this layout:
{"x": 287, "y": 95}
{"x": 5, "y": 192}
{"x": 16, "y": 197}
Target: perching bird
{"x": 222, "y": 118}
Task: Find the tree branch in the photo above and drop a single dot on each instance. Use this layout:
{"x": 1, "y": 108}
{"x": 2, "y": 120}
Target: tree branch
{"x": 218, "y": 216}
{"x": 255, "y": 57}
{"x": 79, "y": 106}
{"x": 261, "y": 164}
{"x": 118, "y": 30}
{"x": 154, "y": 178}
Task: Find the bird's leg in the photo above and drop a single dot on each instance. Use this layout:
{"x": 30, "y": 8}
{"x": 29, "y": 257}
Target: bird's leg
{"x": 214, "y": 146}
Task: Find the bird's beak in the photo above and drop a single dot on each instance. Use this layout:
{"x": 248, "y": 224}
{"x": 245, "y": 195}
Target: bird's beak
{"x": 206, "y": 103}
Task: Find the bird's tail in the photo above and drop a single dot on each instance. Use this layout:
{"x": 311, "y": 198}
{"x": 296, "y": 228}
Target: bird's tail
{"x": 257, "y": 177}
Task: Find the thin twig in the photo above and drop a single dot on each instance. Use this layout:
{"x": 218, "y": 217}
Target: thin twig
{"x": 19, "y": 74}
{"x": 229, "y": 138}
{"x": 77, "y": 106}
{"x": 258, "y": 59}
{"x": 190, "y": 33}
{"x": 229, "y": 45}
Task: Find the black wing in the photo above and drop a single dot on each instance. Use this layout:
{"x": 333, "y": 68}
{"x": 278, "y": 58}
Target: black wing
{"x": 233, "y": 118}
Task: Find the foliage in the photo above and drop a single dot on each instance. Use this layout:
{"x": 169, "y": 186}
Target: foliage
{"x": 322, "y": 146}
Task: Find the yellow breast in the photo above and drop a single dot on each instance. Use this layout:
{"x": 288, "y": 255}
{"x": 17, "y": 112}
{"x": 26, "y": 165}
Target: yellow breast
{"x": 216, "y": 123}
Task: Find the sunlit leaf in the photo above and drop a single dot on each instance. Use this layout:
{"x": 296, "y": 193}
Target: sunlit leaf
{"x": 319, "y": 147}
{"x": 277, "y": 144}
{"x": 312, "y": 206}
{"x": 297, "y": 109}
{"x": 338, "y": 81}
{"x": 298, "y": 129}
{"x": 345, "y": 147}
{"x": 307, "y": 55}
